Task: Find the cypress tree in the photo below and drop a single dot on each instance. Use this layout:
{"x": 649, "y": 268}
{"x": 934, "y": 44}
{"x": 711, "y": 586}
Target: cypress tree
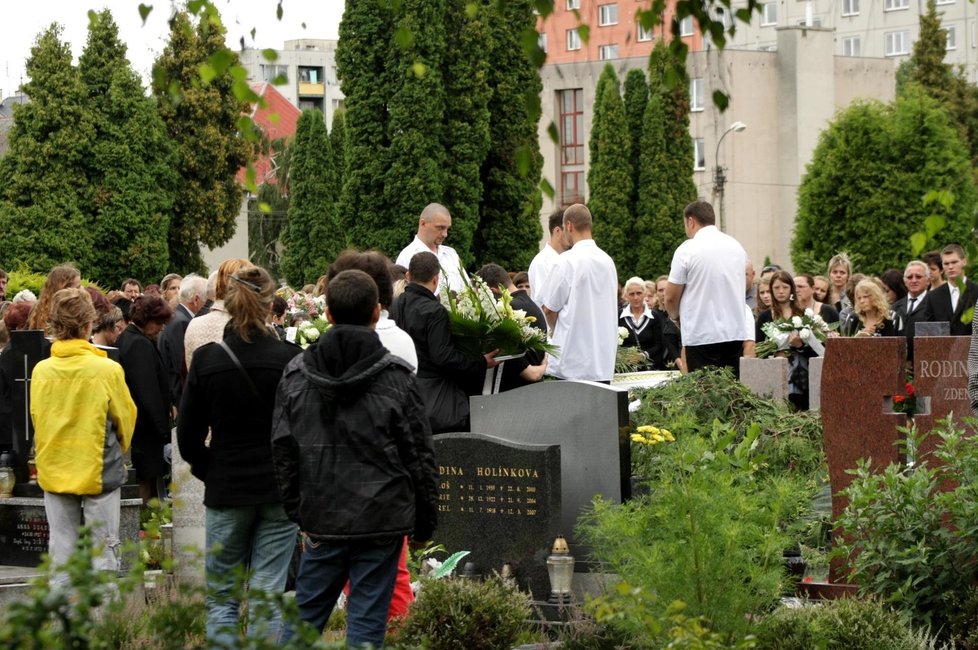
{"x": 45, "y": 189}
{"x": 202, "y": 118}
{"x": 510, "y": 231}
{"x": 466, "y": 133}
{"x": 311, "y": 239}
{"x": 607, "y": 77}
{"x": 636, "y": 99}
{"x": 667, "y": 163}
{"x": 131, "y": 170}
{"x": 267, "y": 212}
{"x": 610, "y": 180}
{"x": 361, "y": 60}
{"x": 337, "y": 143}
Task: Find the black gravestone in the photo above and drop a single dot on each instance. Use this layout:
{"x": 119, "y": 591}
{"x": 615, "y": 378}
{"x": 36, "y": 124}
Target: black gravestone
{"x": 501, "y": 501}
{"x": 23, "y": 532}
{"x": 27, "y": 347}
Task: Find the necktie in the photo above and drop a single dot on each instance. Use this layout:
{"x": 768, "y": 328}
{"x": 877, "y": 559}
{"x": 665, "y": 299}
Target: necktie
{"x": 910, "y": 304}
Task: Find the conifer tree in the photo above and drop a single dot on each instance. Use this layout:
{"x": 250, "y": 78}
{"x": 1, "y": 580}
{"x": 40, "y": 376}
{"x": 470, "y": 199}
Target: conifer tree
{"x": 510, "y": 230}
{"x": 466, "y": 134}
{"x": 42, "y": 215}
{"x": 311, "y": 239}
{"x": 268, "y": 209}
{"x": 361, "y": 60}
{"x": 667, "y": 164}
{"x": 202, "y": 118}
{"x": 610, "y": 180}
{"x": 337, "y": 142}
{"x": 606, "y": 78}
{"x": 132, "y": 167}
{"x": 636, "y": 99}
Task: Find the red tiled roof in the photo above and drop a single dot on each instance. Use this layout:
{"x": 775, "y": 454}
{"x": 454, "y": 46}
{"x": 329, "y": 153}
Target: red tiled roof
{"x": 277, "y": 119}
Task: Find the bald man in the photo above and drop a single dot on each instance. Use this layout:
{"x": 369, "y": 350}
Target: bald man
{"x": 433, "y": 227}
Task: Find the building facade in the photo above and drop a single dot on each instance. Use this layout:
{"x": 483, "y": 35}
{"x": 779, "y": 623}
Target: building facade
{"x": 786, "y": 97}
{"x": 304, "y": 72}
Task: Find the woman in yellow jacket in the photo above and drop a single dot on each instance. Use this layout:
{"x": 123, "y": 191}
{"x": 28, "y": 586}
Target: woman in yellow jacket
{"x": 83, "y": 422}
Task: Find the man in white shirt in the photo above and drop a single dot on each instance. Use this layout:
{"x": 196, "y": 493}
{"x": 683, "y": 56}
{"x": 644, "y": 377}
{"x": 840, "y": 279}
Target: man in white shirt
{"x": 705, "y": 294}
{"x": 433, "y": 227}
{"x": 544, "y": 262}
{"x": 581, "y": 304}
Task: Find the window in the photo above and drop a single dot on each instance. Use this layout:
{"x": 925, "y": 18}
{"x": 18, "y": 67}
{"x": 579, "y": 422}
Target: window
{"x": 852, "y": 46}
{"x": 271, "y": 73}
{"x": 952, "y": 37}
{"x": 893, "y": 5}
{"x": 643, "y": 34}
{"x": 310, "y": 75}
{"x": 686, "y": 26}
{"x": 573, "y": 39}
{"x": 850, "y": 7}
{"x": 542, "y": 41}
{"x": 699, "y": 154}
{"x": 339, "y": 104}
{"x": 769, "y": 13}
{"x": 895, "y": 43}
{"x": 606, "y": 52}
{"x": 608, "y": 15}
{"x": 573, "y": 5}
{"x": 571, "y": 119}
{"x": 696, "y": 94}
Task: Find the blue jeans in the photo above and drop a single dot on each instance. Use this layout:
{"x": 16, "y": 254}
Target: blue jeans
{"x": 370, "y": 566}
{"x": 257, "y": 537}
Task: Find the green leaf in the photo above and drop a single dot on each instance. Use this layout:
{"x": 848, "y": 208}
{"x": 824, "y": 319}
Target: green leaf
{"x": 207, "y": 72}
{"x": 934, "y": 224}
{"x": 720, "y": 100}
{"x": 403, "y": 37}
{"x": 584, "y": 32}
{"x": 449, "y": 564}
{"x": 918, "y": 241}
{"x": 144, "y": 11}
{"x": 419, "y": 69}
{"x": 269, "y": 54}
{"x": 278, "y": 11}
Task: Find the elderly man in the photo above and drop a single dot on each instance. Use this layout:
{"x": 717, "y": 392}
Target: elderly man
{"x": 193, "y": 292}
{"x": 705, "y": 294}
{"x": 433, "y": 227}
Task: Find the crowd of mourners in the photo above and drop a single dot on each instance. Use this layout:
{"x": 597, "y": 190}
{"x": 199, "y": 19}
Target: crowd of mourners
{"x": 335, "y": 440}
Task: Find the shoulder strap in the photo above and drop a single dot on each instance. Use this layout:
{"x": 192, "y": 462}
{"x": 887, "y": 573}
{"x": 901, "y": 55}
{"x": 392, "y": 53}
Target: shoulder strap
{"x": 244, "y": 373}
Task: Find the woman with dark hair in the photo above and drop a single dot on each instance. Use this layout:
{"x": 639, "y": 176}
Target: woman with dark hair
{"x": 277, "y": 316}
{"x": 893, "y": 285}
{"x": 60, "y": 277}
{"x": 784, "y": 306}
{"x": 147, "y": 381}
{"x": 805, "y": 298}
{"x": 230, "y": 392}
{"x": 83, "y": 422}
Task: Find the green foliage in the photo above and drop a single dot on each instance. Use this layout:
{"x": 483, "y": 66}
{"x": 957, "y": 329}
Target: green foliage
{"x": 267, "y": 212}
{"x": 847, "y": 623}
{"x": 337, "y": 142}
{"x": 712, "y": 533}
{"x": 456, "y": 613}
{"x": 909, "y": 535}
{"x": 636, "y": 99}
{"x": 509, "y": 229}
{"x": 311, "y": 237}
{"x": 202, "y": 119}
{"x": 609, "y": 176}
{"x": 666, "y": 174}
{"x": 877, "y": 160}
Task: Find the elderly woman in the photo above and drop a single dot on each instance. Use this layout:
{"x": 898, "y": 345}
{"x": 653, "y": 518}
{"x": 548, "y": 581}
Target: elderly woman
{"x": 231, "y": 391}
{"x": 839, "y": 270}
{"x": 150, "y": 389}
{"x": 644, "y": 329}
{"x": 83, "y": 423}
{"x": 872, "y": 312}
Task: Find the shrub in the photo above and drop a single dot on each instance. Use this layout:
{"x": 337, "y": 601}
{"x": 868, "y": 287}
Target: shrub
{"x": 459, "y": 614}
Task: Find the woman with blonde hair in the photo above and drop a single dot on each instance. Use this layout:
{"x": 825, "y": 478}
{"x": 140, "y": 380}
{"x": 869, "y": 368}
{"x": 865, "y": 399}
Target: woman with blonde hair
{"x": 644, "y": 329}
{"x": 83, "y": 423}
{"x": 230, "y": 391}
{"x": 871, "y": 310}
{"x": 61, "y": 277}
{"x": 839, "y": 270}
{"x": 209, "y": 328}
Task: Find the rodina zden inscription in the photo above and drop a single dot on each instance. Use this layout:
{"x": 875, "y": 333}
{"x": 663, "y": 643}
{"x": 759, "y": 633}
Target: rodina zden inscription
{"x": 505, "y": 491}
{"x": 946, "y": 369}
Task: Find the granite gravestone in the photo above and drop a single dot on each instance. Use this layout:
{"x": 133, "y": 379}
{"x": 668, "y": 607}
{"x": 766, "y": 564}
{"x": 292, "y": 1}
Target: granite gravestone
{"x": 590, "y": 423}
{"x": 859, "y": 376}
{"x": 941, "y": 384}
{"x": 500, "y": 501}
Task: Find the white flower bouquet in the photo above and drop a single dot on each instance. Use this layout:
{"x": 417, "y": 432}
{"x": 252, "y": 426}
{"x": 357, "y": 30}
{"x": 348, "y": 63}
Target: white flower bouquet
{"x": 810, "y": 327}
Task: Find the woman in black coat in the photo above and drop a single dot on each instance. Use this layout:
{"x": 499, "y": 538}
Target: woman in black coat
{"x": 148, "y": 385}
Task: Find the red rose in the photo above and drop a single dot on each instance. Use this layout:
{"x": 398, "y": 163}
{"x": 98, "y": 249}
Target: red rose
{"x": 910, "y": 390}
{"x": 898, "y": 399}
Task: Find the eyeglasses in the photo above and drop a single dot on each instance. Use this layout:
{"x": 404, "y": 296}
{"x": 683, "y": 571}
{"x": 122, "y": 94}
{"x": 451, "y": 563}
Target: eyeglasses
{"x": 913, "y": 277}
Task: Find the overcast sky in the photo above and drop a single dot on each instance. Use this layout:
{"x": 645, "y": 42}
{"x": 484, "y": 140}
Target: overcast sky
{"x": 23, "y": 20}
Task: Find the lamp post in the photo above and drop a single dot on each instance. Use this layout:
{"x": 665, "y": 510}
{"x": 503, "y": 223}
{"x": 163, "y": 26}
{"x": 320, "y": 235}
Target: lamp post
{"x": 720, "y": 173}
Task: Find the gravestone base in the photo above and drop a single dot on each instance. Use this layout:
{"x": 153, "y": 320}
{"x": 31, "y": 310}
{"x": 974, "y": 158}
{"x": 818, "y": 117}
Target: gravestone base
{"x": 189, "y": 519}
{"x": 765, "y": 377}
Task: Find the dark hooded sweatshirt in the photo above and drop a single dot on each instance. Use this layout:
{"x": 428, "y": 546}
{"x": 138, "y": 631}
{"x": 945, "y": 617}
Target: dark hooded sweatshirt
{"x": 351, "y": 443}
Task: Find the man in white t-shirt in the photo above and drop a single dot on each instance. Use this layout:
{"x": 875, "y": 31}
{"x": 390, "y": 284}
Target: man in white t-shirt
{"x": 544, "y": 262}
{"x": 581, "y": 304}
{"x": 433, "y": 227}
{"x": 705, "y": 294}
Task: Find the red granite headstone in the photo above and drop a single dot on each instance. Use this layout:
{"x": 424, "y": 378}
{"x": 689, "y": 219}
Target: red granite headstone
{"x": 941, "y": 374}
{"x": 857, "y": 376}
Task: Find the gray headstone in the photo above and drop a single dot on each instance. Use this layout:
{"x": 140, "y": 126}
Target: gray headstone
{"x": 501, "y": 502}
{"x": 189, "y": 519}
{"x": 590, "y": 423}
{"x": 815, "y": 383}
{"x": 765, "y": 377}
{"x": 939, "y": 328}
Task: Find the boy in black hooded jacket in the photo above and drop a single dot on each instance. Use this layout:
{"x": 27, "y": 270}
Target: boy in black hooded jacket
{"x": 354, "y": 462}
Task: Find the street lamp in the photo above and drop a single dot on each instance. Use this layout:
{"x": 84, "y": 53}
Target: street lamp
{"x": 720, "y": 173}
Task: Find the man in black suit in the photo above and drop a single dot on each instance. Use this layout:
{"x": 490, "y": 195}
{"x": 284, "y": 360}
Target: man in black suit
{"x": 910, "y": 308}
{"x": 193, "y": 292}
{"x": 949, "y": 302}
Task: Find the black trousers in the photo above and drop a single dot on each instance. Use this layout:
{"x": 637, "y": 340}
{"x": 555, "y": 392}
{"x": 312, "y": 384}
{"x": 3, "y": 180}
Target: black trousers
{"x": 726, "y": 354}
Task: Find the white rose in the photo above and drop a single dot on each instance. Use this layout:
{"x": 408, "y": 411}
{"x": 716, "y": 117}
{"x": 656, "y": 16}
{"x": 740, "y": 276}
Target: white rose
{"x": 519, "y": 314}
{"x": 311, "y": 333}
{"x": 796, "y": 321}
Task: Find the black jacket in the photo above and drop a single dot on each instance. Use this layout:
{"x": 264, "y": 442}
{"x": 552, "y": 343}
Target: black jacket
{"x": 150, "y": 390}
{"x": 513, "y": 368}
{"x": 171, "y": 351}
{"x": 937, "y": 307}
{"x": 446, "y": 375}
{"x": 237, "y": 467}
{"x": 646, "y": 335}
{"x": 351, "y": 444}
